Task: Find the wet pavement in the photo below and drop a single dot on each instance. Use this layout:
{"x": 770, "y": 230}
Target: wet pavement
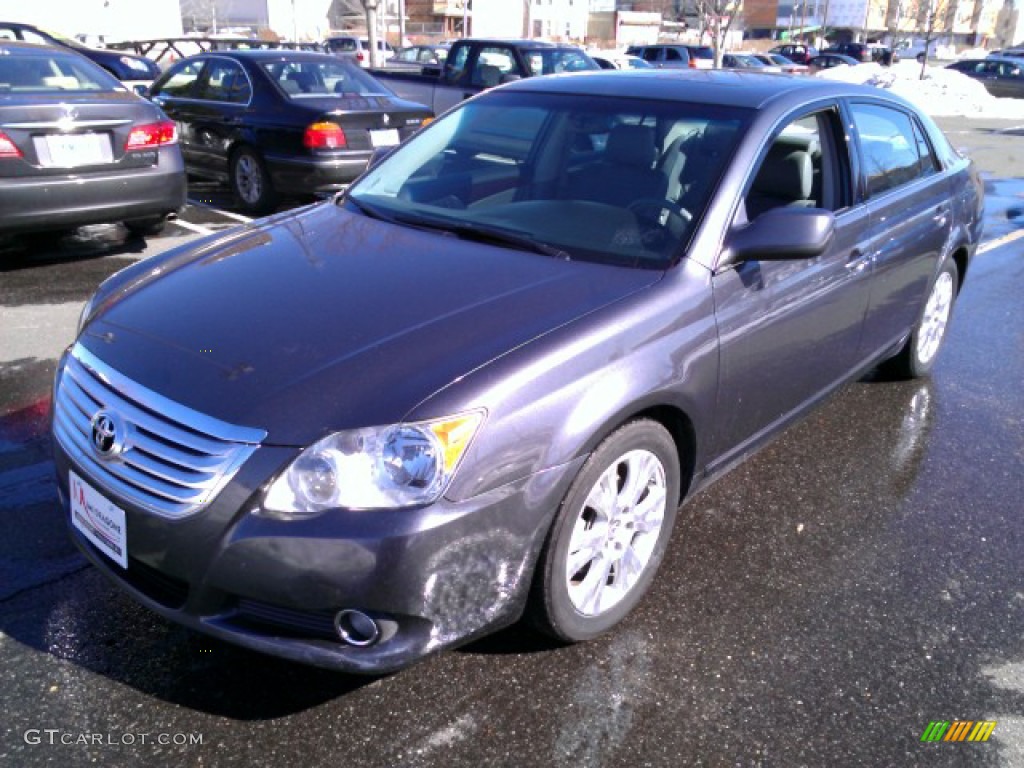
{"x": 821, "y": 605}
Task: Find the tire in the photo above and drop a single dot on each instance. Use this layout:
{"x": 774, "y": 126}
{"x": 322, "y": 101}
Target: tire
{"x": 602, "y": 553}
{"x": 251, "y": 183}
{"x": 918, "y": 355}
{"x": 153, "y": 225}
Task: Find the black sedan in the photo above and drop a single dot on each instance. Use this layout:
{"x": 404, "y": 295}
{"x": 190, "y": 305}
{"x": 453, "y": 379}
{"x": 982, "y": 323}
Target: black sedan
{"x": 829, "y": 61}
{"x": 77, "y": 147}
{"x": 126, "y": 67}
{"x": 1001, "y": 76}
{"x": 492, "y": 370}
{"x": 278, "y": 123}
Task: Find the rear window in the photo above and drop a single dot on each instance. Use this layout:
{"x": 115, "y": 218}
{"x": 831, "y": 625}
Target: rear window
{"x": 50, "y": 72}
{"x": 702, "y": 52}
{"x": 305, "y": 79}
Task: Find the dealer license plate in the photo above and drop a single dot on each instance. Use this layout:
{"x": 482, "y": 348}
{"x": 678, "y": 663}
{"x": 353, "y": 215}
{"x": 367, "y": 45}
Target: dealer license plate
{"x": 69, "y": 150}
{"x": 100, "y": 521}
{"x": 384, "y": 138}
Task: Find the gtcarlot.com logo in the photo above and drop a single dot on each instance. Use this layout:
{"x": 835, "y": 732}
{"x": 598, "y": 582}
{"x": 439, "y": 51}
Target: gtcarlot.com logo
{"x": 55, "y": 737}
{"x": 958, "y": 730}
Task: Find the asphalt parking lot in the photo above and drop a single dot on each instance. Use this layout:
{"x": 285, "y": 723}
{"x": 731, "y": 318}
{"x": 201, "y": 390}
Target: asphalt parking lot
{"x": 823, "y": 604}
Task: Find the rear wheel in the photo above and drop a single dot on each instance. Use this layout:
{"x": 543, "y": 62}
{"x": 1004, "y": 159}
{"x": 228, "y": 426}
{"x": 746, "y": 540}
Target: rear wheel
{"x": 251, "y": 183}
{"x": 917, "y": 358}
{"x": 610, "y": 534}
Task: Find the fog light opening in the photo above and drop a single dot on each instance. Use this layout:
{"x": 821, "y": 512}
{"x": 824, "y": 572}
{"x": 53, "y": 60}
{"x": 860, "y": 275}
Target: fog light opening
{"x": 356, "y": 628}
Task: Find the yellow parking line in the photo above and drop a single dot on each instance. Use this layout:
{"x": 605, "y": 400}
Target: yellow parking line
{"x": 999, "y": 242}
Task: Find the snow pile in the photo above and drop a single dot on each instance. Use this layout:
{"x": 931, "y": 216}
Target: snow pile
{"x": 943, "y": 92}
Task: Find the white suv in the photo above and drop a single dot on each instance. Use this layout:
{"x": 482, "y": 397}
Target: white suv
{"x": 358, "y": 48}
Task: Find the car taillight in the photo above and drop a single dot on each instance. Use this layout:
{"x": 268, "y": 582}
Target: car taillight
{"x": 359, "y": 56}
{"x": 324, "y": 136}
{"x": 151, "y": 135}
{"x": 693, "y": 63}
{"x": 7, "y": 147}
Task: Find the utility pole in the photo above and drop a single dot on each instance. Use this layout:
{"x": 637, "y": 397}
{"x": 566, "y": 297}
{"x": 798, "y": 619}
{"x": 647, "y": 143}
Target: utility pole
{"x": 371, "y": 30}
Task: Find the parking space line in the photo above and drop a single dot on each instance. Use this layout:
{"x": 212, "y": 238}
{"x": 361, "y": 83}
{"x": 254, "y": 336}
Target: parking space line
{"x": 193, "y": 227}
{"x": 221, "y": 211}
{"x": 999, "y": 242}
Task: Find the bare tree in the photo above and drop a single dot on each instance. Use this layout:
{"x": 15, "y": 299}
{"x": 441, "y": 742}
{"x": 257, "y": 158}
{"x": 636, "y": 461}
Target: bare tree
{"x": 927, "y": 20}
{"x": 715, "y": 18}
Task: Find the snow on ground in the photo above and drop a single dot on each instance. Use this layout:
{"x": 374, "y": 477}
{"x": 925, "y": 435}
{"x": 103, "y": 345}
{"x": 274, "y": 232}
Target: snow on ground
{"x": 942, "y": 92}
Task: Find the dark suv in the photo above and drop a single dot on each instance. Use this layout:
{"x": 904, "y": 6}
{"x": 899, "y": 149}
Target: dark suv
{"x": 865, "y": 52}
{"x": 798, "y": 53}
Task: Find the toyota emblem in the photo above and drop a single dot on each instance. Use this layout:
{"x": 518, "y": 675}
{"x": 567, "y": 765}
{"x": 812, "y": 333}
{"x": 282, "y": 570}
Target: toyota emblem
{"x": 108, "y": 434}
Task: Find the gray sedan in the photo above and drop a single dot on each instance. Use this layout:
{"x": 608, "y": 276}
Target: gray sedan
{"x": 481, "y": 383}
{"x": 1001, "y": 76}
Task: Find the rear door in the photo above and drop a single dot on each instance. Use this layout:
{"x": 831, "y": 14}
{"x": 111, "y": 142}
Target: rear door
{"x": 908, "y": 198}
{"x": 218, "y": 112}
{"x": 174, "y": 93}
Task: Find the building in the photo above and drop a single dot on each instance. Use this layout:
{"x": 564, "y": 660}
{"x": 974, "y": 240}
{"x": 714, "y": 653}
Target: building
{"x": 289, "y": 19}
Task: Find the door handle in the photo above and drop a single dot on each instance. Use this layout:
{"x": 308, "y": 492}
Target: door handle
{"x": 941, "y": 215}
{"x": 857, "y": 262}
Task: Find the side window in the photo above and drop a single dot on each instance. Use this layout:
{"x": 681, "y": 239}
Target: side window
{"x": 671, "y": 54}
{"x": 651, "y": 54}
{"x": 7, "y": 34}
{"x": 225, "y": 81}
{"x": 928, "y": 163}
{"x": 455, "y": 64}
{"x": 31, "y": 37}
{"x": 493, "y": 63}
{"x": 889, "y": 148}
{"x": 181, "y": 79}
{"x": 802, "y": 168}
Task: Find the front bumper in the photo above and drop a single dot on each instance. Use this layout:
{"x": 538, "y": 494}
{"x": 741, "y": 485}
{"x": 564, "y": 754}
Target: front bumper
{"x": 432, "y": 577}
{"x": 76, "y": 199}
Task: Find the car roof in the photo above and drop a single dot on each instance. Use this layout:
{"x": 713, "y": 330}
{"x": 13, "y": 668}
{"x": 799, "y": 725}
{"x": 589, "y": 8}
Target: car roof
{"x": 706, "y": 86}
{"x": 37, "y": 48}
{"x": 273, "y": 54}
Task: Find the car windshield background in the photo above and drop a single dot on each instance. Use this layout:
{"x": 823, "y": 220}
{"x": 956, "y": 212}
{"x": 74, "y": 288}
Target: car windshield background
{"x": 555, "y": 61}
{"x": 600, "y": 179}
{"x": 51, "y": 72}
{"x": 323, "y": 78}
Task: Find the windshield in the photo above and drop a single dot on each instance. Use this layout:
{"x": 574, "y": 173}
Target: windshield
{"x": 320, "y": 78}
{"x": 588, "y": 177}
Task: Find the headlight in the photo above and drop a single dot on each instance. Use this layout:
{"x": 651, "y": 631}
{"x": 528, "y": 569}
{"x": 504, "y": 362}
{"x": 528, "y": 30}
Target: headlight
{"x": 388, "y": 467}
{"x": 137, "y": 64}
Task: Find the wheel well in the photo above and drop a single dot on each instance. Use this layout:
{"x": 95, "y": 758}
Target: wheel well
{"x": 960, "y": 259}
{"x": 680, "y": 427}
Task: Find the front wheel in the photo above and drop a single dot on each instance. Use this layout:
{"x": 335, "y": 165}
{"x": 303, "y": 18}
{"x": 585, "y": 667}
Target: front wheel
{"x": 610, "y": 534}
{"x": 251, "y": 182}
{"x": 917, "y": 358}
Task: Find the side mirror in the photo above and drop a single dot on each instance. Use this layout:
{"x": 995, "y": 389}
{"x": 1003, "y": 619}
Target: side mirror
{"x": 509, "y": 78}
{"x": 142, "y": 90}
{"x": 780, "y": 234}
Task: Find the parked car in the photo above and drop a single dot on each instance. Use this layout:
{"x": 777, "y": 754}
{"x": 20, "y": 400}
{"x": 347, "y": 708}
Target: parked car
{"x": 674, "y": 56}
{"x": 1003, "y": 77}
{"x": 475, "y": 64}
{"x": 829, "y": 61}
{"x": 420, "y": 55}
{"x": 131, "y": 69}
{"x": 276, "y": 123}
{"x": 796, "y": 52}
{"x": 865, "y": 52}
{"x": 618, "y": 60}
{"x": 780, "y": 61}
{"x": 78, "y": 148}
{"x": 482, "y": 381}
{"x": 358, "y": 48}
{"x": 746, "y": 61}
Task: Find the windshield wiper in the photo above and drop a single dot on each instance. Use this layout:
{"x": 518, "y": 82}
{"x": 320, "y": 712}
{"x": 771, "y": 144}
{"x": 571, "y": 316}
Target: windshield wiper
{"x": 506, "y": 237}
{"x": 466, "y": 231}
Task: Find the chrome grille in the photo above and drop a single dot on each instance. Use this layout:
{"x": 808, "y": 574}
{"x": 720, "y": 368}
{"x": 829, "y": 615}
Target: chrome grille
{"x": 172, "y": 459}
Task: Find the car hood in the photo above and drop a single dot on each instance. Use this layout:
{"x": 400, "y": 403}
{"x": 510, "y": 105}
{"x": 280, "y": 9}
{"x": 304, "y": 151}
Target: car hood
{"x": 325, "y": 319}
